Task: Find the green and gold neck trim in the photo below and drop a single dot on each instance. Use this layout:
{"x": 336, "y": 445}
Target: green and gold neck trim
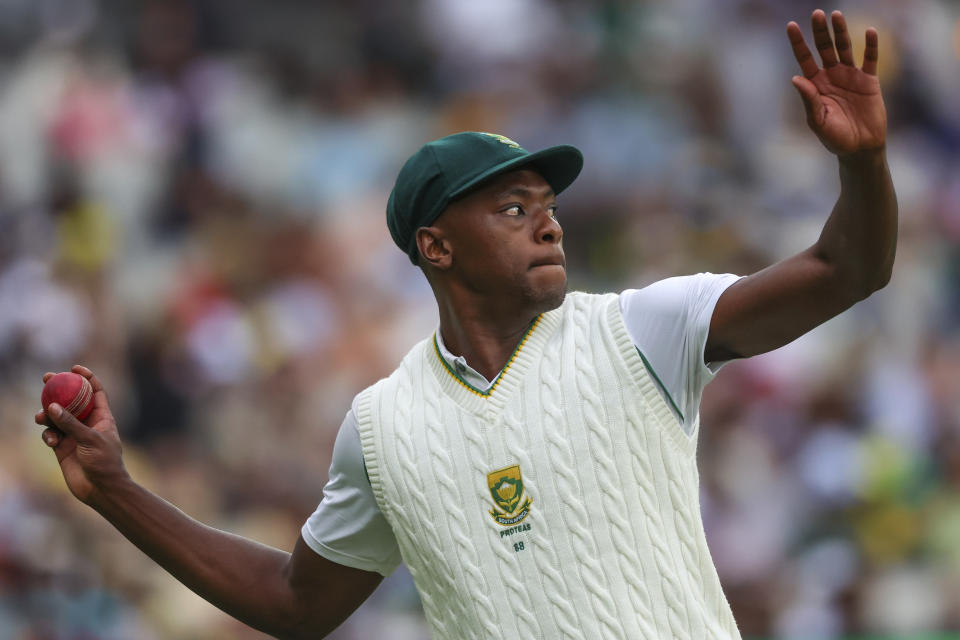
{"x": 490, "y": 403}
{"x": 503, "y": 372}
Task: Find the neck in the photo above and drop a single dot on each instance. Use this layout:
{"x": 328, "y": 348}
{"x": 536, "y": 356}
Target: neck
{"x": 485, "y": 340}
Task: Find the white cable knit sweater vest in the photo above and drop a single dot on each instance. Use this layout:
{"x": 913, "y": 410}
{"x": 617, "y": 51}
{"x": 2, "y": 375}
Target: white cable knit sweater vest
{"x": 563, "y": 503}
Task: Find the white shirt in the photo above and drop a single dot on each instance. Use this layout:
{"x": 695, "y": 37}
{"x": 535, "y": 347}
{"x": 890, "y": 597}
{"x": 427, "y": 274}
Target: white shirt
{"x": 668, "y": 322}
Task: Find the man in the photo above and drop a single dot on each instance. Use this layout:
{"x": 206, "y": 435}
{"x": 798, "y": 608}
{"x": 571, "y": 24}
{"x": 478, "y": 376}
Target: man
{"x": 533, "y": 461}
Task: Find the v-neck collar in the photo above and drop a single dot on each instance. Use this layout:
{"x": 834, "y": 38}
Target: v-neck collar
{"x": 494, "y": 399}
{"x": 462, "y": 368}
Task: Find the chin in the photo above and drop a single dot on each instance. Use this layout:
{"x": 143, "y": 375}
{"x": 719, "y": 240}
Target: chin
{"x": 549, "y": 296}
{"x": 554, "y": 300}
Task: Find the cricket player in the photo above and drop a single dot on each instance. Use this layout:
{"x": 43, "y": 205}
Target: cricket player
{"x": 532, "y": 461}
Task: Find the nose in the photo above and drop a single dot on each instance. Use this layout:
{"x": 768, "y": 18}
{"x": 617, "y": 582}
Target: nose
{"x": 549, "y": 230}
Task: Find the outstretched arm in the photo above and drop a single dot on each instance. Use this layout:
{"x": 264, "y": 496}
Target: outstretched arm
{"x": 854, "y": 255}
{"x": 298, "y": 595}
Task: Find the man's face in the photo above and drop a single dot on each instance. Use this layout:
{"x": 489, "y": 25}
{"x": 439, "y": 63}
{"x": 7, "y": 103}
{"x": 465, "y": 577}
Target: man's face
{"x": 506, "y": 241}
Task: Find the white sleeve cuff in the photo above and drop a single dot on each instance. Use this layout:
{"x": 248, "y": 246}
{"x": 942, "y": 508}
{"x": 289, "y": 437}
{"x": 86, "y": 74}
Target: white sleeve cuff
{"x": 385, "y": 568}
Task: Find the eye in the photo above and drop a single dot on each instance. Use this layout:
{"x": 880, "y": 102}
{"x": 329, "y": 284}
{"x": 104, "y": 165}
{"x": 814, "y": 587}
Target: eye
{"x": 514, "y": 210}
{"x": 553, "y": 210}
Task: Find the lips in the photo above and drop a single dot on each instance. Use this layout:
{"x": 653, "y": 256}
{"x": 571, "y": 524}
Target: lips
{"x": 552, "y": 261}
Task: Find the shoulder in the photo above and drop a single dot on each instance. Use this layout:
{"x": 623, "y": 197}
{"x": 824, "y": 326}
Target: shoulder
{"x": 584, "y": 298}
{"x": 678, "y": 300}
{"x": 590, "y": 316}
{"x": 400, "y": 383}
{"x": 579, "y": 301}
{"x": 675, "y": 292}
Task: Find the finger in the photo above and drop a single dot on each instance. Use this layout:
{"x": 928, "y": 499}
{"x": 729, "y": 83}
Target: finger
{"x": 872, "y": 52}
{"x": 822, "y": 40}
{"x": 67, "y": 423}
{"x": 100, "y": 400}
{"x": 52, "y": 437}
{"x": 812, "y": 103}
{"x": 41, "y": 419}
{"x": 800, "y": 51}
{"x": 88, "y": 374}
{"x": 95, "y": 383}
{"x": 47, "y": 376}
{"x": 842, "y": 38}
{"x": 62, "y": 446}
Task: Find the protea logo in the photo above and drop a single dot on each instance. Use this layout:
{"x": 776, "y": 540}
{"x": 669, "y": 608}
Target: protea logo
{"x": 506, "y": 489}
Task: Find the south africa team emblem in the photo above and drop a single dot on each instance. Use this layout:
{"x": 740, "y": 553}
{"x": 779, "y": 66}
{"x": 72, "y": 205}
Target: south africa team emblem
{"x": 506, "y": 488}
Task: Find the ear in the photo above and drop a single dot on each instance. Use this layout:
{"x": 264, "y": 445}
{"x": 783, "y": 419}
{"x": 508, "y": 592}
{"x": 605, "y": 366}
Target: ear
{"x": 435, "y": 248}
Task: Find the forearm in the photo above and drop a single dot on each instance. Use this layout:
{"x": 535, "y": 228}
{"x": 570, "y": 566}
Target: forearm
{"x": 242, "y": 577}
{"x": 859, "y": 239}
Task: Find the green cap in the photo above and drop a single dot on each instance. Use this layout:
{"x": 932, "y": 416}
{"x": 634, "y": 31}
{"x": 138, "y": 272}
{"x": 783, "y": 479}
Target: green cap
{"x": 448, "y": 168}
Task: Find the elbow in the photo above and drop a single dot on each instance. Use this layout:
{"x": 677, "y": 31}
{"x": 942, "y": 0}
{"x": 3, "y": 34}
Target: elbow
{"x": 861, "y": 291}
{"x": 304, "y": 628}
{"x": 297, "y": 624}
{"x": 301, "y": 634}
{"x": 881, "y": 277}
{"x": 856, "y": 275}
{"x": 884, "y": 279}
{"x": 309, "y": 624}
{"x": 864, "y": 287}
{"x": 856, "y": 280}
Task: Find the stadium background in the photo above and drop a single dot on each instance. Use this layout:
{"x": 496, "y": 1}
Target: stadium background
{"x": 191, "y": 203}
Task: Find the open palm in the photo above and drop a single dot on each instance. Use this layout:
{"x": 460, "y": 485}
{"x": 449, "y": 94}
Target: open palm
{"x": 843, "y": 103}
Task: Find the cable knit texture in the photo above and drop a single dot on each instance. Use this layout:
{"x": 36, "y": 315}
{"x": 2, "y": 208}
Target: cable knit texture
{"x": 611, "y": 545}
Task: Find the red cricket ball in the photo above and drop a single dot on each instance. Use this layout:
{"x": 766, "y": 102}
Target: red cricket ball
{"x": 71, "y": 391}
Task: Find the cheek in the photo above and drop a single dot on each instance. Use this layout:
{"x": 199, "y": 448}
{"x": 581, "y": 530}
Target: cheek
{"x": 500, "y": 256}
{"x": 491, "y": 266}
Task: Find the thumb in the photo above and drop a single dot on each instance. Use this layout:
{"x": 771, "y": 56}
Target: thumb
{"x": 812, "y": 103}
{"x": 67, "y": 423}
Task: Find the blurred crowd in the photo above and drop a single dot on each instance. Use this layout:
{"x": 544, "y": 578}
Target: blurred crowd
{"x": 192, "y": 204}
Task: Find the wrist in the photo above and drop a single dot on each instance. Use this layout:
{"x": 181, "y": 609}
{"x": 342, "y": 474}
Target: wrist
{"x": 864, "y": 158}
{"x": 108, "y": 487}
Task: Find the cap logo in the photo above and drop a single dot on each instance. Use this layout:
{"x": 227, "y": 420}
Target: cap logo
{"x": 502, "y": 139}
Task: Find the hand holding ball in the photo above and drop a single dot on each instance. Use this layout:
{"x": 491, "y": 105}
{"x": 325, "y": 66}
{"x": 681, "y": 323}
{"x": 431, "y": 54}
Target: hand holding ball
{"x": 71, "y": 391}
{"x": 83, "y": 437}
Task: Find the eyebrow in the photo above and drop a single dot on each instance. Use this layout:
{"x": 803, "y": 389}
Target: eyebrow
{"x": 524, "y": 192}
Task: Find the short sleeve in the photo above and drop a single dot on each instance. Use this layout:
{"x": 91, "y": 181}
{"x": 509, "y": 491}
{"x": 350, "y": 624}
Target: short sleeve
{"x": 348, "y": 527}
{"x": 669, "y": 322}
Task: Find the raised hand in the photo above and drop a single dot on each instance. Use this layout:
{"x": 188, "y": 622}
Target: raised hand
{"x": 843, "y": 103}
{"x": 88, "y": 455}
